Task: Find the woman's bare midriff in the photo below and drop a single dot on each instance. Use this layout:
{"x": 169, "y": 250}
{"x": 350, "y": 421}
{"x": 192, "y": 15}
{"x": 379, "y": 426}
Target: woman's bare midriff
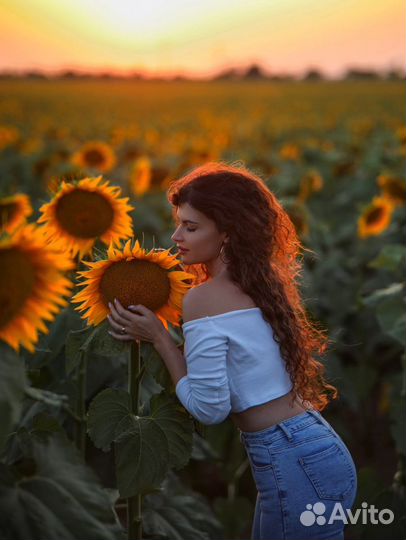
{"x": 263, "y": 416}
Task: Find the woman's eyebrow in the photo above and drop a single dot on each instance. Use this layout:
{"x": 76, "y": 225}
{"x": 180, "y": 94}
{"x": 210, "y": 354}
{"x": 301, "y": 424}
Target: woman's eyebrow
{"x": 187, "y": 221}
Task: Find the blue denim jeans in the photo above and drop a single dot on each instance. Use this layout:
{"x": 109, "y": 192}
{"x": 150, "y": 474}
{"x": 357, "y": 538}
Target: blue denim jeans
{"x": 303, "y": 472}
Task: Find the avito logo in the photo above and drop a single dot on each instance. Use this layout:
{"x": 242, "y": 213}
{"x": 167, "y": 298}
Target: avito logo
{"x": 314, "y": 514}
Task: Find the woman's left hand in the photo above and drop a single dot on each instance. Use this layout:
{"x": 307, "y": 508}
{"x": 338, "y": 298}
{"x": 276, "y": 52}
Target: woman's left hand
{"x": 134, "y": 323}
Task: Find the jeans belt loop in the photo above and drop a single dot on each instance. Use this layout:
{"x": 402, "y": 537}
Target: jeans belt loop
{"x": 286, "y": 431}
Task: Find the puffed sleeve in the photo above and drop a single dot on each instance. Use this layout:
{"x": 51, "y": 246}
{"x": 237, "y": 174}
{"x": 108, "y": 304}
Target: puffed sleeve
{"x": 205, "y": 391}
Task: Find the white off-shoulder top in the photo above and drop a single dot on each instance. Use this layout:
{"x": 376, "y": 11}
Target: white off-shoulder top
{"x": 233, "y": 363}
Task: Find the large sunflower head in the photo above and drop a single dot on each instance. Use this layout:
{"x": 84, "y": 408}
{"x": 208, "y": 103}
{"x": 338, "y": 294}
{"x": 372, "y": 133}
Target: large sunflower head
{"x": 32, "y": 286}
{"x": 83, "y": 211}
{"x": 14, "y": 211}
{"x": 95, "y": 155}
{"x": 133, "y": 276}
{"x": 376, "y": 217}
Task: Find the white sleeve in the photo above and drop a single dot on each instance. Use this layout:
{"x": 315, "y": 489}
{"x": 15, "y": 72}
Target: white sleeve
{"x": 205, "y": 391}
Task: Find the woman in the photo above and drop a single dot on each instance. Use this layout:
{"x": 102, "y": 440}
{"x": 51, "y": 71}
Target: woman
{"x": 249, "y": 349}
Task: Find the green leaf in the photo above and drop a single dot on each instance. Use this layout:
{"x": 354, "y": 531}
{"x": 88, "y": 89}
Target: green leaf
{"x": 380, "y": 295}
{"x": 142, "y": 457}
{"x": 155, "y": 366}
{"x": 392, "y": 318}
{"x": 391, "y": 257}
{"x": 389, "y": 306}
{"x": 202, "y": 449}
{"x": 104, "y": 344}
{"x": 177, "y": 427}
{"x": 108, "y": 416}
{"x": 77, "y": 344}
{"x": 397, "y": 407}
{"x": 53, "y": 494}
{"x": 12, "y": 386}
{"x": 177, "y": 514}
{"x": 45, "y": 422}
{"x": 49, "y": 345}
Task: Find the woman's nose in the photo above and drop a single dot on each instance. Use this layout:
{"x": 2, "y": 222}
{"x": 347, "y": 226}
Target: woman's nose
{"x": 175, "y": 236}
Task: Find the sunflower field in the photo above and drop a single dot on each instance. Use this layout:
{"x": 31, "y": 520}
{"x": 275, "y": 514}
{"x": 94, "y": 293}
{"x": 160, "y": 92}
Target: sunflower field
{"x": 93, "y": 441}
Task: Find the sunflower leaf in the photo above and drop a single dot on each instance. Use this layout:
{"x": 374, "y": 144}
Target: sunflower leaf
{"x": 108, "y": 416}
{"x": 142, "y": 457}
{"x": 389, "y": 306}
{"x": 177, "y": 426}
{"x": 391, "y": 257}
{"x": 155, "y": 366}
{"x": 176, "y": 512}
{"x": 103, "y": 344}
{"x": 12, "y": 387}
{"x": 59, "y": 497}
{"x": 76, "y": 344}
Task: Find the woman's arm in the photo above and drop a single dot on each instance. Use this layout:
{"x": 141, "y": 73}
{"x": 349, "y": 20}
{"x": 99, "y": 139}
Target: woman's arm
{"x": 171, "y": 355}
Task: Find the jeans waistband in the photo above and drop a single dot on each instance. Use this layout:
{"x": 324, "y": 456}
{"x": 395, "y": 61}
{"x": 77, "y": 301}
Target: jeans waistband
{"x": 286, "y": 427}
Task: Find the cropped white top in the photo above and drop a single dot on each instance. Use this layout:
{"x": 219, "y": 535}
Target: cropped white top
{"x": 233, "y": 363}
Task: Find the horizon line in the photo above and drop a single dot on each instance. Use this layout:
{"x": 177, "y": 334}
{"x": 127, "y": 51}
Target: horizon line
{"x": 237, "y": 71}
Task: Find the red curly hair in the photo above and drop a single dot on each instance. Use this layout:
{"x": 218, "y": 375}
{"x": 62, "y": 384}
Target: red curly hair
{"x": 262, "y": 256}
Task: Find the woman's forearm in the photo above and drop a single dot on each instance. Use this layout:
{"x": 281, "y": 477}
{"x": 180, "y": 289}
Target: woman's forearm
{"x": 171, "y": 355}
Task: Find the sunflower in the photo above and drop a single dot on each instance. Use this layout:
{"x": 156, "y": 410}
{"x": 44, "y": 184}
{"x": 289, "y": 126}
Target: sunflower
{"x": 401, "y": 134}
{"x": 32, "y": 285}
{"x": 13, "y": 211}
{"x": 290, "y": 152}
{"x": 141, "y": 175}
{"x": 393, "y": 188}
{"x": 312, "y": 181}
{"x": 376, "y": 217}
{"x": 86, "y": 210}
{"x": 95, "y": 155}
{"x": 133, "y": 276}
{"x": 8, "y": 136}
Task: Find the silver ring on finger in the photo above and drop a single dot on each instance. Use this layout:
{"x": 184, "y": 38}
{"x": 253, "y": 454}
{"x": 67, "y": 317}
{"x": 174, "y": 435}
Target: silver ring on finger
{"x": 123, "y": 330}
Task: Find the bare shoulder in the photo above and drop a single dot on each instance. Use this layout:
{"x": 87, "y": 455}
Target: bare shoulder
{"x": 214, "y": 298}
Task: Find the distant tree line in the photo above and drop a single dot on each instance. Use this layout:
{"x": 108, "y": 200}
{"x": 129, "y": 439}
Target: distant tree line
{"x": 252, "y": 72}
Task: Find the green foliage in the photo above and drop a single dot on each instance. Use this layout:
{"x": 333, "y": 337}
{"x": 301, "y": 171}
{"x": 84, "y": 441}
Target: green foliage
{"x": 51, "y": 493}
{"x": 12, "y": 386}
{"x": 146, "y": 447}
{"x": 179, "y": 514}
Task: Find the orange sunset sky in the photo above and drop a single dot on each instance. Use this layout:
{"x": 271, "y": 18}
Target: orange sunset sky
{"x": 201, "y": 38}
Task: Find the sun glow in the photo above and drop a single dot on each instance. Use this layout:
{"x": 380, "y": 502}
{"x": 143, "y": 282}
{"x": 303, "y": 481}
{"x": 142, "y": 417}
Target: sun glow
{"x": 200, "y": 37}
{"x": 140, "y": 19}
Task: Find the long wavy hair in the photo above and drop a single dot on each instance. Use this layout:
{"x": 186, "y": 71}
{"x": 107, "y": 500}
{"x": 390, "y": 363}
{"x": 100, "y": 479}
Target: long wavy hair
{"x": 263, "y": 259}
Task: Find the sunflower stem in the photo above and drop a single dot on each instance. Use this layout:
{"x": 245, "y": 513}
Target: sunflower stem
{"x": 80, "y": 427}
{"x": 135, "y": 371}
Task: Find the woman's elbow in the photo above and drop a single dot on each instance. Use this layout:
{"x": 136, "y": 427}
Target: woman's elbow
{"x": 212, "y": 417}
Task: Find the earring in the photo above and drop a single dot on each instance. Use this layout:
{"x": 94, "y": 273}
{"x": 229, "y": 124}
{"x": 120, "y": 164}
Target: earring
{"x": 222, "y": 253}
